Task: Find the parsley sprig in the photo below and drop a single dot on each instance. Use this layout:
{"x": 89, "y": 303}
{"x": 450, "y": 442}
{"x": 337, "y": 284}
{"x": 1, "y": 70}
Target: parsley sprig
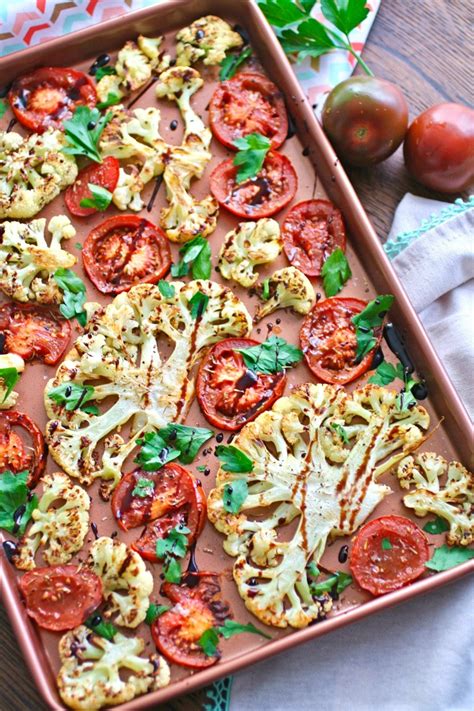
{"x": 100, "y": 200}
{"x": 367, "y": 321}
{"x": 235, "y": 493}
{"x": 104, "y": 629}
{"x": 83, "y": 132}
{"x": 232, "y": 62}
{"x": 170, "y": 549}
{"x": 196, "y": 255}
{"x": 154, "y": 611}
{"x": 16, "y": 502}
{"x": 335, "y": 584}
{"x": 3, "y": 107}
{"x": 272, "y": 356}
{"x": 209, "y": 640}
{"x": 9, "y": 377}
{"x": 74, "y": 397}
{"x": 446, "y": 557}
{"x": 251, "y": 155}
{"x": 386, "y": 373}
{"x": 335, "y": 272}
{"x": 171, "y": 442}
{"x": 143, "y": 488}
{"x": 74, "y": 295}
{"x": 233, "y": 459}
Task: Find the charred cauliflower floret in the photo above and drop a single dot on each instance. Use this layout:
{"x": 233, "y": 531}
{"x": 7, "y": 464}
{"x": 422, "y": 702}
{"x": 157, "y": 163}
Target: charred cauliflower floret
{"x": 186, "y": 217}
{"x": 28, "y": 263}
{"x": 288, "y": 288}
{"x": 250, "y": 244}
{"x": 453, "y": 501}
{"x": 127, "y": 583}
{"x": 208, "y": 38}
{"x": 120, "y": 349}
{"x": 59, "y": 524}
{"x": 9, "y": 361}
{"x": 33, "y": 171}
{"x": 135, "y": 65}
{"x": 89, "y": 677}
{"x": 301, "y": 470}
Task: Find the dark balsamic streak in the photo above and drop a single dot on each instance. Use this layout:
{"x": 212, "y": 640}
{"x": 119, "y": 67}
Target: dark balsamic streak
{"x": 394, "y": 341}
{"x": 11, "y": 124}
{"x": 158, "y": 181}
{"x": 143, "y": 91}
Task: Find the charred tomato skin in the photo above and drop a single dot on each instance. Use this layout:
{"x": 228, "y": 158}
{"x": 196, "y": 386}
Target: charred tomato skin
{"x": 248, "y": 103}
{"x": 219, "y": 374}
{"x": 33, "y": 331}
{"x": 439, "y": 148}
{"x": 365, "y": 119}
{"x": 15, "y": 455}
{"x": 105, "y": 174}
{"x": 380, "y": 569}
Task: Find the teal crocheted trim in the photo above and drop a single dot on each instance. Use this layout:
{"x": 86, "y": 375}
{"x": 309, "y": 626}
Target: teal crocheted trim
{"x": 400, "y": 242}
{"x": 219, "y": 695}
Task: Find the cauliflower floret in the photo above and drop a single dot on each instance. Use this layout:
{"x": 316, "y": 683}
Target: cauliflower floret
{"x": 208, "y": 38}
{"x": 331, "y": 490}
{"x": 288, "y": 288}
{"x": 120, "y": 348}
{"x": 33, "y": 171}
{"x": 28, "y": 263}
{"x": 8, "y": 361}
{"x": 60, "y": 531}
{"x": 454, "y": 501}
{"x": 127, "y": 583}
{"x": 252, "y": 243}
{"x": 89, "y": 677}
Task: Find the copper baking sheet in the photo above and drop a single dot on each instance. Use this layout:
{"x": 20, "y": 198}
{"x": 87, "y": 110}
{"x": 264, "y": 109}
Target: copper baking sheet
{"x": 319, "y": 175}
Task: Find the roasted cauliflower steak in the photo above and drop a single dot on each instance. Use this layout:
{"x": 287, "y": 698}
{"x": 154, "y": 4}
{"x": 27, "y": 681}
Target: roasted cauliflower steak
{"x": 453, "y": 501}
{"x": 302, "y": 470}
{"x": 120, "y": 349}
{"x": 89, "y": 677}
{"x": 28, "y": 262}
{"x": 59, "y": 524}
{"x": 9, "y": 361}
{"x": 33, "y": 171}
{"x": 250, "y": 244}
{"x": 289, "y": 288}
{"x": 208, "y": 38}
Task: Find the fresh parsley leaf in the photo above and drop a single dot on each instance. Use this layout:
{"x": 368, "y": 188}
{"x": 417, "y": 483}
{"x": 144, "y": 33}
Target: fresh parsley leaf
{"x": 335, "y": 272}
{"x": 154, "y": 611}
{"x": 10, "y": 377}
{"x": 446, "y": 557}
{"x": 337, "y": 582}
{"x": 16, "y": 506}
{"x": 111, "y": 100}
{"x": 103, "y": 72}
{"x": 253, "y": 149}
{"x": 196, "y": 255}
{"x": 386, "y": 545}
{"x": 232, "y": 62}
{"x": 367, "y": 320}
{"x": 188, "y": 440}
{"x": 166, "y": 289}
{"x": 154, "y": 452}
{"x": 234, "y": 495}
{"x": 285, "y": 12}
{"x": 310, "y": 39}
{"x": 339, "y": 429}
{"x": 271, "y": 356}
{"x": 3, "y": 107}
{"x": 386, "y": 373}
{"x": 233, "y": 459}
{"x": 438, "y": 525}
{"x": 83, "y": 132}
{"x": 210, "y": 638}
{"x": 346, "y": 15}
{"x": 406, "y": 399}
{"x": 265, "y": 290}
{"x": 78, "y": 245}
{"x": 172, "y": 570}
{"x": 71, "y": 395}
{"x": 201, "y": 468}
{"x": 313, "y": 569}
{"x": 100, "y": 200}
{"x": 74, "y": 294}
{"x": 90, "y": 409}
{"x": 208, "y": 642}
{"x": 179, "y": 269}
{"x": 104, "y": 629}
{"x": 198, "y": 304}
{"x": 171, "y": 548}
{"x": 143, "y": 488}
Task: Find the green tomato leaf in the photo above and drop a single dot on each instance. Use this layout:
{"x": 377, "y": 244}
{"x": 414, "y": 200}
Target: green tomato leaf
{"x": 9, "y": 377}
{"x": 335, "y": 272}
{"x": 104, "y": 629}
{"x": 198, "y": 304}
{"x": 272, "y": 356}
{"x": 446, "y": 557}
{"x": 143, "y": 488}
{"x": 100, "y": 200}
{"x": 233, "y": 459}
{"x": 155, "y": 611}
{"x": 234, "y": 495}
{"x": 253, "y": 149}
{"x": 438, "y": 525}
{"x": 166, "y": 289}
{"x": 154, "y": 452}
{"x": 15, "y": 505}
{"x": 346, "y": 15}
{"x": 232, "y": 62}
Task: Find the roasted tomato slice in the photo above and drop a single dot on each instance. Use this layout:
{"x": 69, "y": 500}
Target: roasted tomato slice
{"x": 198, "y": 607}
{"x": 388, "y": 553}
{"x": 176, "y": 497}
{"x": 248, "y": 103}
{"x": 105, "y": 174}
{"x": 312, "y": 230}
{"x": 25, "y": 451}
{"x": 262, "y": 196}
{"x": 228, "y": 392}
{"x": 124, "y": 251}
{"x": 62, "y": 596}
{"x": 329, "y": 343}
{"x": 45, "y": 97}
{"x": 33, "y": 331}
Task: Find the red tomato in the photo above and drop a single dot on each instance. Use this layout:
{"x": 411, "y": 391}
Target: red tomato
{"x": 262, "y": 196}
{"x": 197, "y": 608}
{"x": 47, "y": 96}
{"x": 16, "y": 455}
{"x": 62, "y": 596}
{"x": 388, "y": 553}
{"x": 328, "y": 341}
{"x": 33, "y": 331}
{"x": 124, "y": 251}
{"x": 312, "y": 230}
{"x": 439, "y": 148}
{"x": 177, "y": 497}
{"x": 105, "y": 174}
{"x": 230, "y": 394}
{"x": 248, "y": 103}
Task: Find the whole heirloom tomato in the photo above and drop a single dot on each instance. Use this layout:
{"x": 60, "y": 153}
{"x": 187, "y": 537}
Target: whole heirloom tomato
{"x": 439, "y": 148}
{"x": 365, "y": 119}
